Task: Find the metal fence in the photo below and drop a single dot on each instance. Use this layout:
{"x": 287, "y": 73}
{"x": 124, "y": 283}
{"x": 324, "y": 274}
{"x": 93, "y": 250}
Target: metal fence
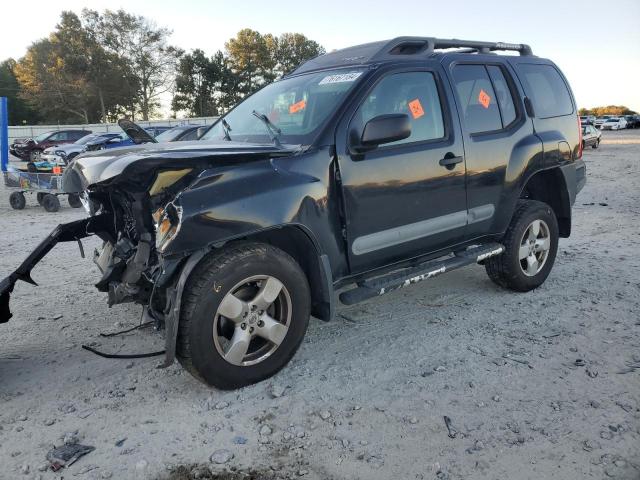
{"x": 31, "y": 131}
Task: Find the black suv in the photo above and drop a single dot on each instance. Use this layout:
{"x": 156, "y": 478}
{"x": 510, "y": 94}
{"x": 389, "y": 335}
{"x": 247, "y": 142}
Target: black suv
{"x": 377, "y": 166}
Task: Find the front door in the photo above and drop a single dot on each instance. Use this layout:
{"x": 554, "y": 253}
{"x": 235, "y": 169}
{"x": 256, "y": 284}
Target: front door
{"x": 405, "y": 198}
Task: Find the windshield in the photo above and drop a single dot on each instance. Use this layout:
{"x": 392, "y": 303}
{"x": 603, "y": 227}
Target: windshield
{"x": 41, "y": 137}
{"x": 297, "y": 107}
{"x": 170, "y": 135}
{"x": 86, "y": 139}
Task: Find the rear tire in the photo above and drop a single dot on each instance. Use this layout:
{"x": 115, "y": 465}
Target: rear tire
{"x": 17, "y": 200}
{"x": 51, "y": 203}
{"x": 236, "y": 276}
{"x": 531, "y": 244}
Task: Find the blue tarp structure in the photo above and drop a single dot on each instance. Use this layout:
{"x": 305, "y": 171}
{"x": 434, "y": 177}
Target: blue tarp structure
{"x": 4, "y": 134}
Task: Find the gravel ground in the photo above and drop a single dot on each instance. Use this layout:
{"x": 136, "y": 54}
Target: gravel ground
{"x": 538, "y": 385}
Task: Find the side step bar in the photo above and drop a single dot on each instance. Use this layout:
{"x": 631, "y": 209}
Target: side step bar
{"x": 380, "y": 285}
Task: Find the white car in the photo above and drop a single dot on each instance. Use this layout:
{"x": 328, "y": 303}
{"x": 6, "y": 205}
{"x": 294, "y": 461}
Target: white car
{"x": 61, "y": 154}
{"x": 614, "y": 124}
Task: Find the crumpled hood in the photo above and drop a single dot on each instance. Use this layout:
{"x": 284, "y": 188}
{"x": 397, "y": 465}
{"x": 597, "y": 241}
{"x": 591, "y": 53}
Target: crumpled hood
{"x": 109, "y": 165}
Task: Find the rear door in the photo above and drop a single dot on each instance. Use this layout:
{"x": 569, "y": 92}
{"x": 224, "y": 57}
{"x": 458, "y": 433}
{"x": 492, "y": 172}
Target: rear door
{"x": 499, "y": 140}
{"x": 400, "y": 200}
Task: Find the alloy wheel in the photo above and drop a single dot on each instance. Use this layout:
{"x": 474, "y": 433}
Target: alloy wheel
{"x": 534, "y": 248}
{"x": 252, "y": 320}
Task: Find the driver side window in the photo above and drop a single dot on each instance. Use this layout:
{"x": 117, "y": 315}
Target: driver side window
{"x": 412, "y": 93}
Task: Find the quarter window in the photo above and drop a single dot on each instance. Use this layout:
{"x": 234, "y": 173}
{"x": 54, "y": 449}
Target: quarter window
{"x": 412, "y": 93}
{"x": 547, "y": 89}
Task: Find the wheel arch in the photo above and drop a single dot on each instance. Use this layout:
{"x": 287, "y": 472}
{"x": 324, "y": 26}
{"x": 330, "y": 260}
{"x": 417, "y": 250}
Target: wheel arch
{"x": 549, "y": 186}
{"x": 298, "y": 242}
{"x": 293, "y": 239}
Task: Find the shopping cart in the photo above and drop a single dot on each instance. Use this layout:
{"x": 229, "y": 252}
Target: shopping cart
{"x": 47, "y": 185}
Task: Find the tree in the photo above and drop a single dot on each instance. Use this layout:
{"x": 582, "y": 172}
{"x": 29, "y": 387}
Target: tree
{"x": 70, "y": 77}
{"x": 195, "y": 85}
{"x": 291, "y": 49}
{"x": 19, "y": 110}
{"x": 250, "y": 58}
{"x": 143, "y": 45}
{"x": 608, "y": 110}
{"x": 50, "y": 86}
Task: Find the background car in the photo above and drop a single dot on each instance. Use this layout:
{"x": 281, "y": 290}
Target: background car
{"x": 590, "y": 136}
{"x": 633, "y": 121}
{"x": 614, "y": 123}
{"x": 61, "y": 154}
{"x": 599, "y": 121}
{"x": 32, "y": 148}
{"x": 180, "y": 133}
{"x": 155, "y": 130}
{"x": 590, "y": 119}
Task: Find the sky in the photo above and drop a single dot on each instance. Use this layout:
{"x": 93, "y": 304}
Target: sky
{"x": 595, "y": 43}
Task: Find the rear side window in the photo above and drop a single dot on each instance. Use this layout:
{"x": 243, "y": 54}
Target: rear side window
{"x": 503, "y": 94}
{"x": 412, "y": 93}
{"x": 477, "y": 98}
{"x": 547, "y": 90}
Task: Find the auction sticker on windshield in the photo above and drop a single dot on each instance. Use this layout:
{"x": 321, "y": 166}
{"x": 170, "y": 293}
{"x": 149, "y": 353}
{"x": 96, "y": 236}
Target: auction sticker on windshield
{"x": 340, "y": 78}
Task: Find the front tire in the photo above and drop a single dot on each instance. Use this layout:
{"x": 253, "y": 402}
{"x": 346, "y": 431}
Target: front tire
{"x": 244, "y": 314}
{"x": 531, "y": 244}
{"x": 596, "y": 145}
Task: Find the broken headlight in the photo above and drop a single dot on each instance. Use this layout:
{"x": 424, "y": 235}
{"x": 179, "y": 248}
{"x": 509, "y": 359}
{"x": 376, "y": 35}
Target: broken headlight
{"x": 167, "y": 224}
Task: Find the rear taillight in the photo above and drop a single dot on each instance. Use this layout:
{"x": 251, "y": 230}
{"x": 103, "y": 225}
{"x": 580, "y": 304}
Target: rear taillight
{"x": 579, "y": 139}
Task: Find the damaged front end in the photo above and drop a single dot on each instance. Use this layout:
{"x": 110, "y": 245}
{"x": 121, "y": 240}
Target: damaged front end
{"x": 68, "y": 232}
{"x": 135, "y": 199}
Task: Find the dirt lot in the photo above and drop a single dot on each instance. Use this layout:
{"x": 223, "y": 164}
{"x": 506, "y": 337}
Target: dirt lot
{"x": 538, "y": 385}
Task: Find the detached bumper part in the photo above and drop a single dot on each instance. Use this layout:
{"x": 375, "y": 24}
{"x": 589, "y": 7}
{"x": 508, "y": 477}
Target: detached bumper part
{"x": 66, "y": 232}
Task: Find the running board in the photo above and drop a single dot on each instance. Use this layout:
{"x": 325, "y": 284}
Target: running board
{"x": 380, "y": 285}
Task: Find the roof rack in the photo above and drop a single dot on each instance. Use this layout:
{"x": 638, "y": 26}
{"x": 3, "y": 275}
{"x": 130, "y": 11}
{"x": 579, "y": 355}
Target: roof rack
{"x": 406, "y": 48}
{"x": 426, "y": 45}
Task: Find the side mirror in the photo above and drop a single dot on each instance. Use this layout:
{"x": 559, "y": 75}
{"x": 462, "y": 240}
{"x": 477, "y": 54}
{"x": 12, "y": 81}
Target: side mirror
{"x": 201, "y": 131}
{"x": 384, "y": 129}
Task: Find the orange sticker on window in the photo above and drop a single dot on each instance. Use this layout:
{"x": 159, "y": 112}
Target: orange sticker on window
{"x": 415, "y": 107}
{"x": 297, "y": 107}
{"x": 484, "y": 98}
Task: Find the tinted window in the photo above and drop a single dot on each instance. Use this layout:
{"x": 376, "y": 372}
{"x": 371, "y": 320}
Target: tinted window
{"x": 547, "y": 90}
{"x": 503, "y": 94}
{"x": 414, "y": 94}
{"x": 298, "y": 106}
{"x": 192, "y": 135}
{"x": 477, "y": 98}
{"x": 60, "y": 136}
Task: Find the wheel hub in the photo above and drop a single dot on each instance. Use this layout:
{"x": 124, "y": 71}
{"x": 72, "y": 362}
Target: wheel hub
{"x": 534, "y": 247}
{"x": 252, "y": 320}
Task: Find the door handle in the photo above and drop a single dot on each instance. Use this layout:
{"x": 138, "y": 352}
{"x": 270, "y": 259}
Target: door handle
{"x": 450, "y": 161}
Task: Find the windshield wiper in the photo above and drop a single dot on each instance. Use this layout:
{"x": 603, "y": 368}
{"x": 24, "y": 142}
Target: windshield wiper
{"x": 274, "y": 131}
{"x": 226, "y": 128}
